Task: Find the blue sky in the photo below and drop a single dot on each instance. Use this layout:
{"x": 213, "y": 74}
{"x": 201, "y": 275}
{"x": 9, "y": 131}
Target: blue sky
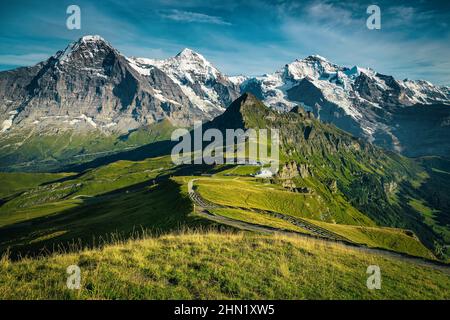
{"x": 241, "y": 37}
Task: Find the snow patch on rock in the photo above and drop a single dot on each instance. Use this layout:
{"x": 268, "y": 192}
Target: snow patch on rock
{"x": 7, "y": 124}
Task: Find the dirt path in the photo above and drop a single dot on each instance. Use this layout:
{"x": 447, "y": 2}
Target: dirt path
{"x": 202, "y": 205}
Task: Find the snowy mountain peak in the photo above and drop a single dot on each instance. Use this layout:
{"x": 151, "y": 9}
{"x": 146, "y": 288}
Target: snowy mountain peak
{"x": 310, "y": 67}
{"x": 190, "y": 61}
{"x": 316, "y": 57}
{"x": 92, "y": 42}
{"x": 91, "y": 38}
{"x": 85, "y": 47}
{"x": 204, "y": 85}
{"x": 187, "y": 53}
{"x": 188, "y": 66}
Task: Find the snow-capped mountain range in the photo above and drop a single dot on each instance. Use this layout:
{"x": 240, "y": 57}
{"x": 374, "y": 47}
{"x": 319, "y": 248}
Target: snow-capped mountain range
{"x": 359, "y": 100}
{"x": 341, "y": 85}
{"x": 90, "y": 85}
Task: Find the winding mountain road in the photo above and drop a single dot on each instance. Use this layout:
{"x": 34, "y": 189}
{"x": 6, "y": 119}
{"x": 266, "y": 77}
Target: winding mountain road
{"x": 208, "y": 205}
{"x": 202, "y": 207}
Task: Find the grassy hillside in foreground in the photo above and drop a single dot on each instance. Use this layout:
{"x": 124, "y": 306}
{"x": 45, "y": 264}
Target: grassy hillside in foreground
{"x": 221, "y": 266}
{"x": 159, "y": 208}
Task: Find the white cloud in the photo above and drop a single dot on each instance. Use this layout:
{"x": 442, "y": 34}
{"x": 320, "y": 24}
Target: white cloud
{"x": 329, "y": 13}
{"x": 188, "y": 16}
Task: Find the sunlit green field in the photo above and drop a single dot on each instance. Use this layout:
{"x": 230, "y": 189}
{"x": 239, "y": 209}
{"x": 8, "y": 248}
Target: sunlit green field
{"x": 248, "y": 193}
{"x": 251, "y": 195}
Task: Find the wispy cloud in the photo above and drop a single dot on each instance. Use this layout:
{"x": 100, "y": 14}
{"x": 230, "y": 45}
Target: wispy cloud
{"x": 188, "y": 16}
{"x": 327, "y": 13}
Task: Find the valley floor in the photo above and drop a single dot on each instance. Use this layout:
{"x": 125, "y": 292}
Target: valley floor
{"x": 215, "y": 265}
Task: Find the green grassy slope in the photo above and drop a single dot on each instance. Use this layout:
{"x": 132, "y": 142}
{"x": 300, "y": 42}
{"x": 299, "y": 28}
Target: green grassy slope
{"x": 91, "y": 183}
{"x": 119, "y": 198}
{"x": 220, "y": 266}
{"x": 247, "y": 195}
{"x": 155, "y": 208}
{"x": 259, "y": 219}
{"x": 377, "y": 237}
{"x": 251, "y": 194}
{"x": 436, "y": 206}
{"x": 126, "y": 196}
{"x": 16, "y": 182}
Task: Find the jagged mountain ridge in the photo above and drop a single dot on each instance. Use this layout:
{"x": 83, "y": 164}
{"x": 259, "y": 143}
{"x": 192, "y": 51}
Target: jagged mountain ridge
{"x": 359, "y": 100}
{"x": 91, "y": 81}
{"x": 92, "y": 85}
{"x": 347, "y": 83}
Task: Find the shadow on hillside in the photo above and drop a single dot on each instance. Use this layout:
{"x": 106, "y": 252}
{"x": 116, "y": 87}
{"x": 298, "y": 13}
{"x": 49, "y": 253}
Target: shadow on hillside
{"x": 156, "y": 205}
{"x": 155, "y": 149}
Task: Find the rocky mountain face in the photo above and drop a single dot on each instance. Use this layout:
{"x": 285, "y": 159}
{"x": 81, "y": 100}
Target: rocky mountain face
{"x": 363, "y": 102}
{"x": 199, "y": 80}
{"x": 89, "y": 99}
{"x": 91, "y": 85}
